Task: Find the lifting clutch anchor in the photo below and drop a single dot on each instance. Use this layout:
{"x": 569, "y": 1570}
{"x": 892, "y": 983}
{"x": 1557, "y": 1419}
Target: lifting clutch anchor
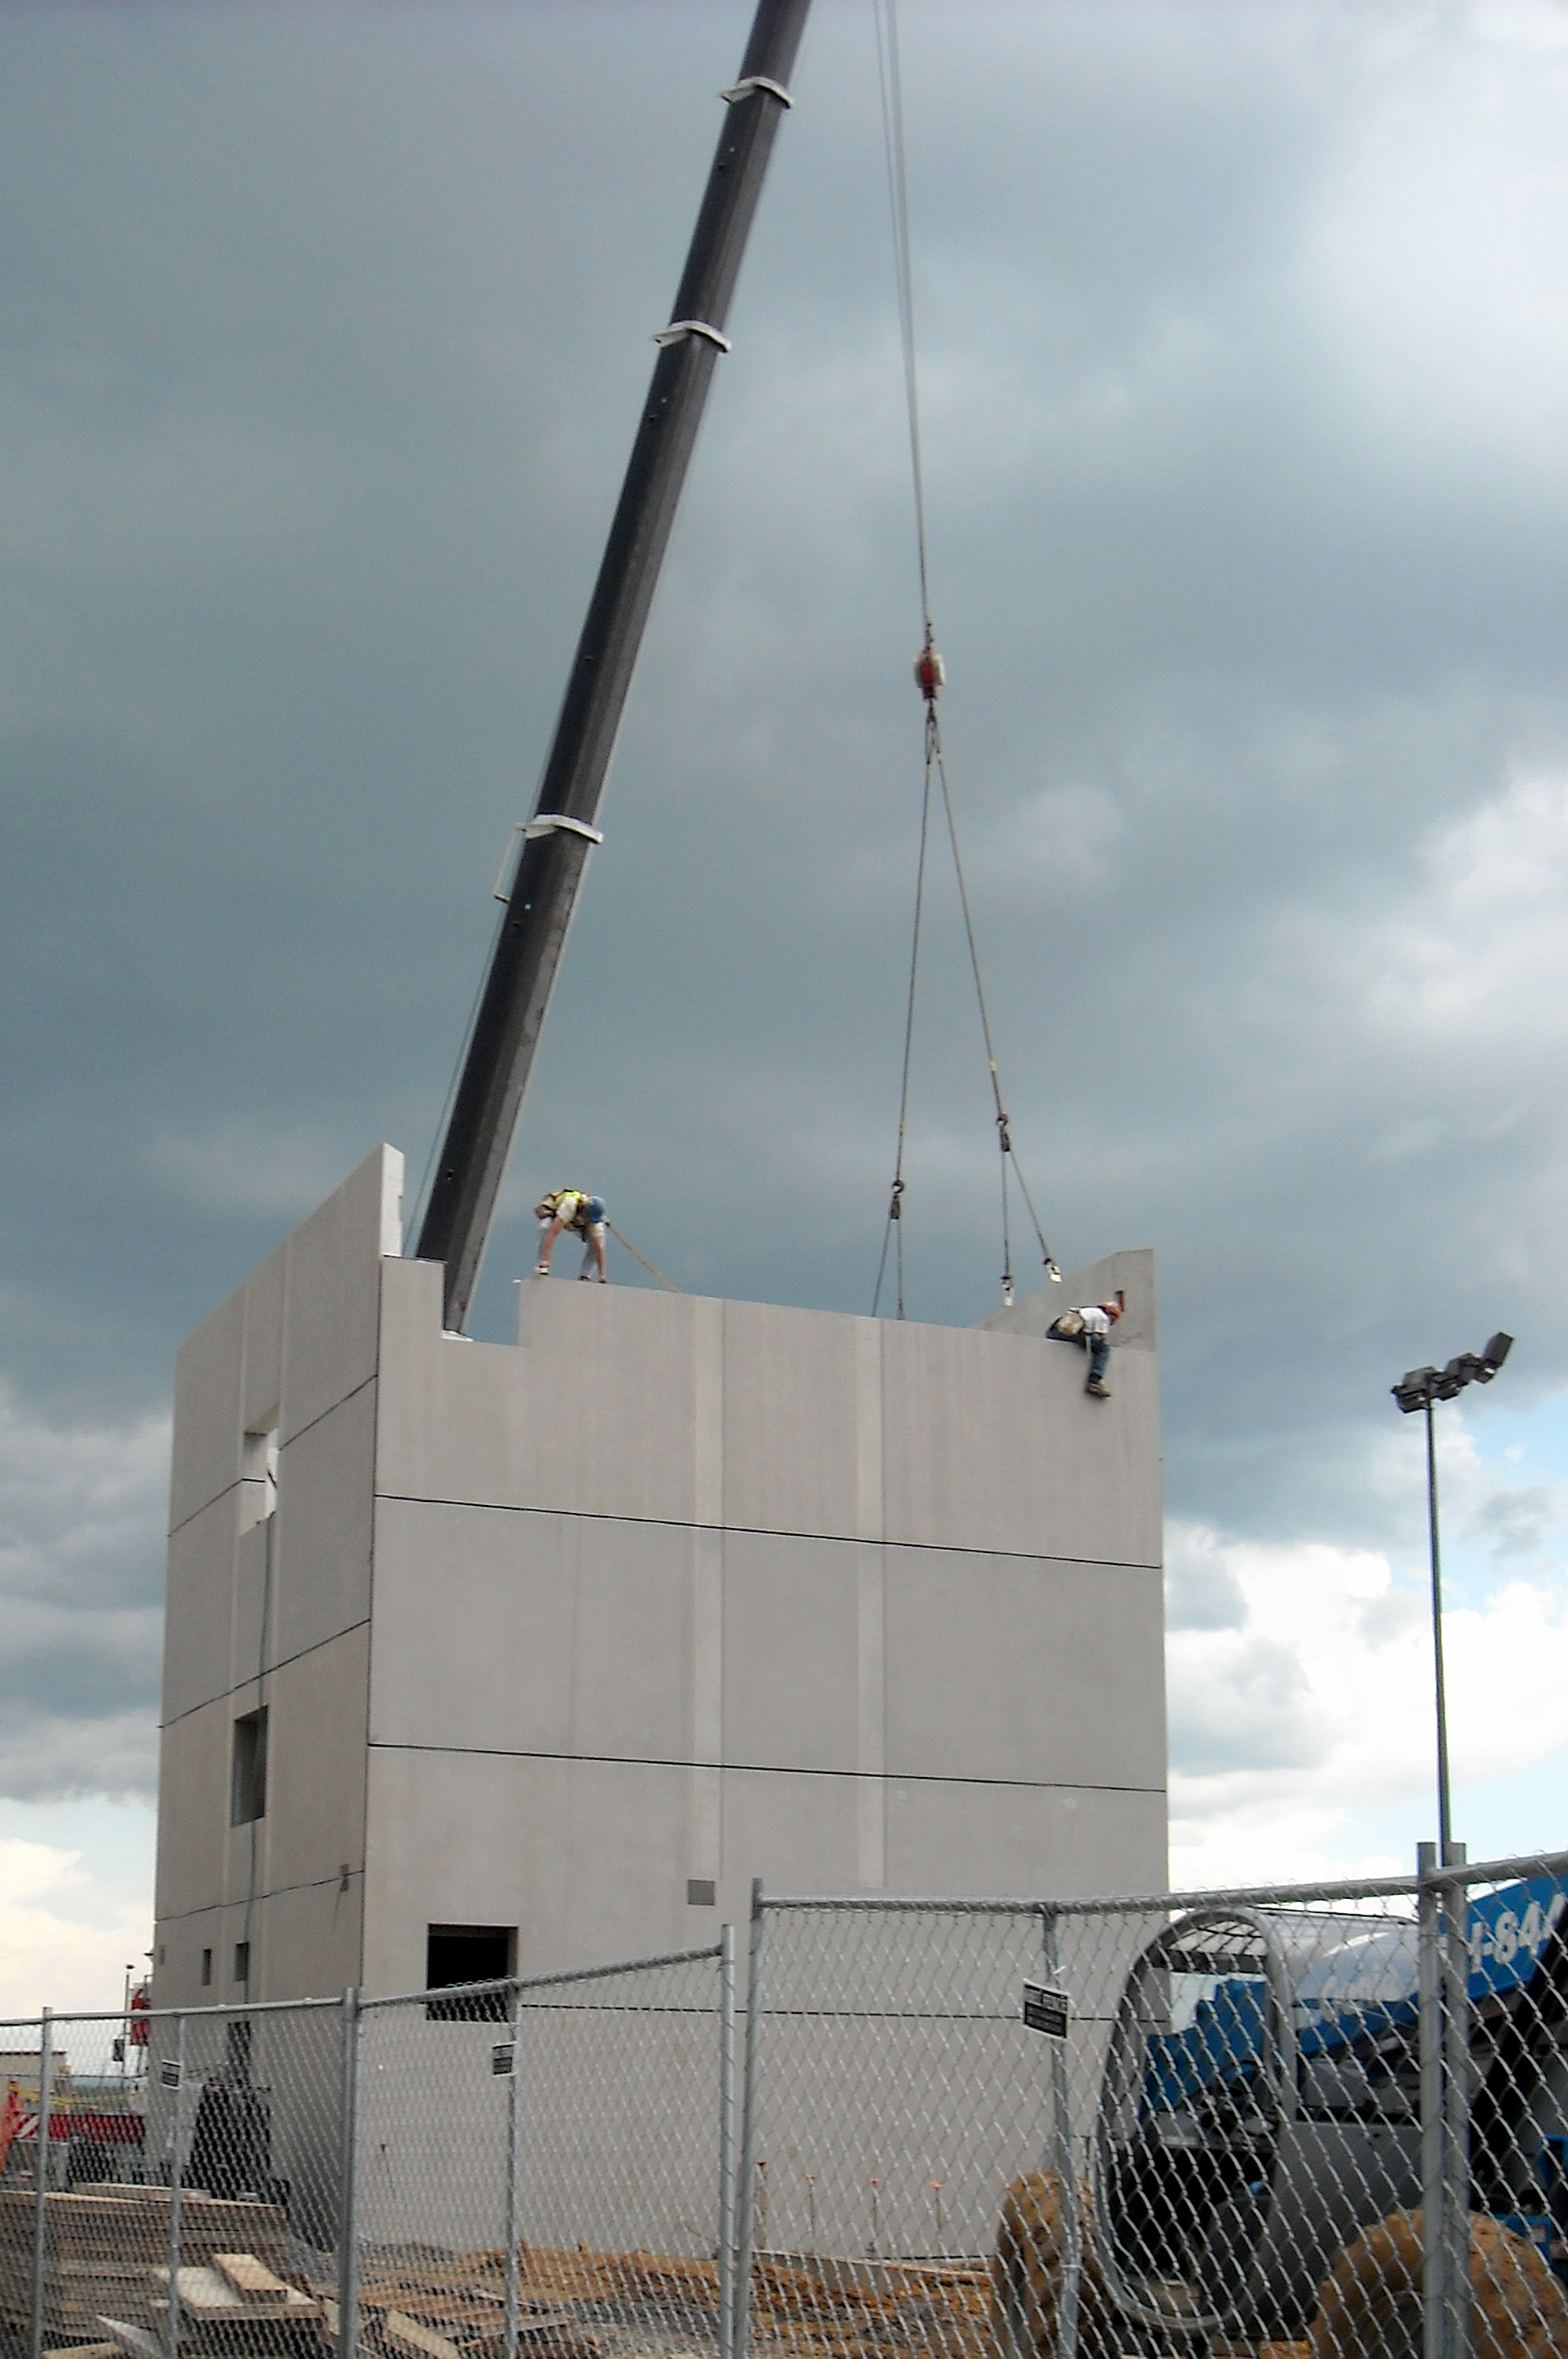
{"x": 931, "y": 673}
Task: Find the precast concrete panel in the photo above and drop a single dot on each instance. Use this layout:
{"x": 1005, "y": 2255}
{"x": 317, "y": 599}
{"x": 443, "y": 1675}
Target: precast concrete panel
{"x": 192, "y": 1810}
{"x": 522, "y": 1631}
{"x": 315, "y": 1763}
{"x": 791, "y": 1408}
{"x": 1024, "y": 1668}
{"x": 576, "y": 1855}
{"x": 791, "y": 1661}
{"x": 311, "y": 1937}
{"x": 333, "y": 1315}
{"x": 594, "y": 1414}
{"x": 321, "y": 1565}
{"x": 947, "y": 1835}
{"x": 992, "y": 1443}
{"x": 252, "y": 1591}
{"x": 800, "y": 1832}
{"x": 199, "y": 1606}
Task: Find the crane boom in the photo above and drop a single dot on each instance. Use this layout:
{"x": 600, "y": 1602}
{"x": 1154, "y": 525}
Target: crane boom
{"x": 558, "y": 839}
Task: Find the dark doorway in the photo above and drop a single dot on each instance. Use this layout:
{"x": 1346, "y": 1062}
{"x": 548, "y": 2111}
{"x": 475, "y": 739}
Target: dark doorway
{"x": 469, "y": 1953}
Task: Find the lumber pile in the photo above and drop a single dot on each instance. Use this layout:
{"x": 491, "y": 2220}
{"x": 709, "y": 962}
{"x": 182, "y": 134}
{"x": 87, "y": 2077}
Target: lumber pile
{"x": 237, "y": 2305}
{"x": 417, "y": 2303}
{"x": 580, "y": 2304}
{"x": 107, "y": 2289}
{"x": 102, "y": 2244}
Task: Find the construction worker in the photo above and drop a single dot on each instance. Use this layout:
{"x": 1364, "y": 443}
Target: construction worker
{"x": 1089, "y": 1328}
{"x": 575, "y": 1209}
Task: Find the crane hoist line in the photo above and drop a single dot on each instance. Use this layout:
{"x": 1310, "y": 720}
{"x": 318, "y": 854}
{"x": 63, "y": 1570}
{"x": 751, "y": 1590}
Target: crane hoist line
{"x": 514, "y": 999}
{"x": 931, "y": 678}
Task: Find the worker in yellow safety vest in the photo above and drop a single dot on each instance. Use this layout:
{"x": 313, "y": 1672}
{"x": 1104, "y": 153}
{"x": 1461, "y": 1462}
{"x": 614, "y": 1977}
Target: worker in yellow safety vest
{"x": 575, "y": 1209}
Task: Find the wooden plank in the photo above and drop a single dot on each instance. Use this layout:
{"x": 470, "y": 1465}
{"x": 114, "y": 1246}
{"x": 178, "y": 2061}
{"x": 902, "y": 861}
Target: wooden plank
{"x": 206, "y": 2293}
{"x": 132, "y": 2339}
{"x": 85, "y": 2351}
{"x": 246, "y": 2276}
{"x": 412, "y": 2340}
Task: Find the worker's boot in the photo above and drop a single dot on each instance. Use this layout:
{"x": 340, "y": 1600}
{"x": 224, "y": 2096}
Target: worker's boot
{"x": 1098, "y": 1389}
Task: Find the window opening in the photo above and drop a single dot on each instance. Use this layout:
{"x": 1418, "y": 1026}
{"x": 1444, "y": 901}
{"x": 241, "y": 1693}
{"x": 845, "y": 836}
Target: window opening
{"x": 469, "y": 1953}
{"x": 258, "y": 1472}
{"x": 248, "y": 1789}
{"x": 206, "y": 1968}
{"x": 242, "y": 1962}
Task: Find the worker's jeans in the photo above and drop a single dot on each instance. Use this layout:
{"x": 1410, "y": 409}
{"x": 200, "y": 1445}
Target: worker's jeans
{"x": 1098, "y": 1346}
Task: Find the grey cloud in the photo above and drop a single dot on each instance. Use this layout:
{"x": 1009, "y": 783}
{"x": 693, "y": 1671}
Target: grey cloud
{"x": 60, "y": 1755}
{"x": 1517, "y": 1520}
{"x": 80, "y": 1665}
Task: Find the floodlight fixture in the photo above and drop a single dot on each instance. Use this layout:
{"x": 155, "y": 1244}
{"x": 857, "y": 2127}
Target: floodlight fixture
{"x": 1419, "y": 1388}
{"x": 1422, "y": 1388}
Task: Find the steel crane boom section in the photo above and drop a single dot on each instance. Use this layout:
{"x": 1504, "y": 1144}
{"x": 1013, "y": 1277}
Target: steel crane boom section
{"x": 550, "y": 863}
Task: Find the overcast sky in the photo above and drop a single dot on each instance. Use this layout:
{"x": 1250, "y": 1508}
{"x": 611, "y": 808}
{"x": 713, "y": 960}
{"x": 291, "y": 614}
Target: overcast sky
{"x": 1244, "y": 347}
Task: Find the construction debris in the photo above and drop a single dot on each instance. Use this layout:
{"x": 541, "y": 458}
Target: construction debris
{"x": 247, "y": 2276}
{"x": 103, "y": 2242}
{"x": 238, "y": 2300}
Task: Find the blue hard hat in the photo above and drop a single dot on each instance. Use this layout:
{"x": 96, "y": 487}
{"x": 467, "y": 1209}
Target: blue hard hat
{"x": 595, "y": 1207}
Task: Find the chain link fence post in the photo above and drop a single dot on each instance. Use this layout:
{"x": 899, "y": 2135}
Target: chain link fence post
{"x": 40, "y": 2185}
{"x": 348, "y": 2180}
{"x": 514, "y": 2179}
{"x": 1456, "y": 2107}
{"x": 1444, "y": 1968}
{"x": 726, "y": 2141}
{"x": 740, "y": 2325}
{"x": 172, "y": 2073}
{"x": 1429, "y": 2000}
{"x": 1066, "y": 2163}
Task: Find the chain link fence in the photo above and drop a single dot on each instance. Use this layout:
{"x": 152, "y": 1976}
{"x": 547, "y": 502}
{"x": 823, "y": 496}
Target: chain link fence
{"x": 978, "y": 2129}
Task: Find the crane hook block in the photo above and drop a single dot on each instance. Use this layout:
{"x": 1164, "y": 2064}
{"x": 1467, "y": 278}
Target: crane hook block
{"x": 930, "y": 673}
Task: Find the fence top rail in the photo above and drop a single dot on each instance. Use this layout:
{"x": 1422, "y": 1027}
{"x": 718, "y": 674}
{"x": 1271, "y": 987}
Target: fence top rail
{"x": 1371, "y": 1887}
{"x": 518, "y": 1984}
{"x": 118, "y": 2015}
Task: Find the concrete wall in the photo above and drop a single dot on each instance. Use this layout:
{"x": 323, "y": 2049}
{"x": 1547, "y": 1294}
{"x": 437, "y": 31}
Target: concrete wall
{"x": 671, "y": 1589}
{"x": 680, "y": 1589}
{"x": 274, "y": 1609}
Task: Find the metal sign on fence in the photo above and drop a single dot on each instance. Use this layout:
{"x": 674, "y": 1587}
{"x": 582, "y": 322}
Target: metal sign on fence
{"x": 1046, "y": 2010}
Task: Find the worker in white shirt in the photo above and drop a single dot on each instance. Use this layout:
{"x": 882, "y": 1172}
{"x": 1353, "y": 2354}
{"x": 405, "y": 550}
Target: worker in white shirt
{"x": 575, "y": 1209}
{"x": 1089, "y": 1328}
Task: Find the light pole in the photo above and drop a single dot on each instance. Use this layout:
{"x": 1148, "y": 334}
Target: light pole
{"x": 1423, "y": 1388}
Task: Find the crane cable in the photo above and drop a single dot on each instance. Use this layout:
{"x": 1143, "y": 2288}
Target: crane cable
{"x": 930, "y": 677}
{"x": 667, "y": 1283}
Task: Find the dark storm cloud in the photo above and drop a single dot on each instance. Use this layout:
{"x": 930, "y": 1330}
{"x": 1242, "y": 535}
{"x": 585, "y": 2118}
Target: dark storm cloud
{"x": 1241, "y": 369}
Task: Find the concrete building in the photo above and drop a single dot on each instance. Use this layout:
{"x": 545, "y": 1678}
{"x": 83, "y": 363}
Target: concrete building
{"x": 537, "y": 1654}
